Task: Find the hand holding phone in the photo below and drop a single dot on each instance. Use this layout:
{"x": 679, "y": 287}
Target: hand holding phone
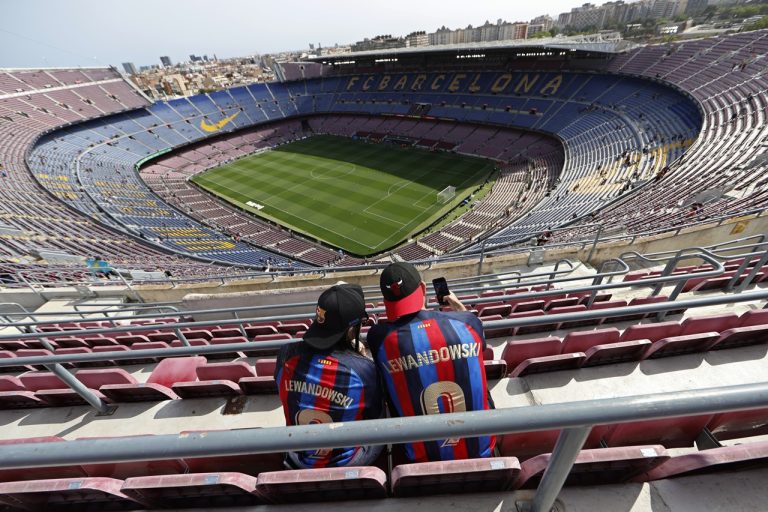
{"x": 441, "y": 290}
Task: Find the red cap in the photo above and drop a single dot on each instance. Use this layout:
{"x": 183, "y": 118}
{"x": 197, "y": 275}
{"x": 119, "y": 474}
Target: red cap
{"x": 401, "y": 287}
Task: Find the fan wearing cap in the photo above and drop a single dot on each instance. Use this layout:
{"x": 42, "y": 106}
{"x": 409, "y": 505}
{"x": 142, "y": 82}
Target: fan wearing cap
{"x": 431, "y": 362}
{"x": 324, "y": 379}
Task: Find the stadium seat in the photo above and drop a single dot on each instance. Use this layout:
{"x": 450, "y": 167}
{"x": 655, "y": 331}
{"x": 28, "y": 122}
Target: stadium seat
{"x": 68, "y": 494}
{"x": 196, "y": 490}
{"x": 709, "y": 323}
{"x": 326, "y": 484}
{"x": 92, "y": 379}
{"x": 597, "y": 466}
{"x": 684, "y": 344}
{"x": 581, "y": 341}
{"x": 741, "y": 337}
{"x": 652, "y": 331}
{"x": 215, "y": 379}
{"x": 621, "y": 352}
{"x": 123, "y": 470}
{"x": 167, "y": 372}
{"x": 493, "y": 474}
{"x": 553, "y": 363}
{"x": 517, "y": 351}
{"x": 737, "y": 424}
{"x": 677, "y": 432}
{"x": 727, "y": 458}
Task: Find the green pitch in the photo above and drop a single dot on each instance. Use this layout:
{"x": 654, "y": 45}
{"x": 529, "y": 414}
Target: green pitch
{"x": 362, "y": 197}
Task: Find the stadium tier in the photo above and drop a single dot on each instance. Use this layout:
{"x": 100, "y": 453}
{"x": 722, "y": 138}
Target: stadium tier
{"x": 573, "y": 148}
{"x": 189, "y": 414}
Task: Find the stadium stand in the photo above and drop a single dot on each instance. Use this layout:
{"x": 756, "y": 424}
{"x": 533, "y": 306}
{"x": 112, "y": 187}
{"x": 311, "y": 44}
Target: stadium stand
{"x": 167, "y": 388}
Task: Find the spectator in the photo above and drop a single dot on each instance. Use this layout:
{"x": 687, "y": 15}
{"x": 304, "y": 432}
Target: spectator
{"x": 430, "y": 361}
{"x": 324, "y": 378}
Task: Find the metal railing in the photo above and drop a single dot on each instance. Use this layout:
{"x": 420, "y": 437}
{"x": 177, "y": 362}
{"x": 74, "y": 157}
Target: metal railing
{"x": 576, "y": 420}
{"x": 54, "y": 362}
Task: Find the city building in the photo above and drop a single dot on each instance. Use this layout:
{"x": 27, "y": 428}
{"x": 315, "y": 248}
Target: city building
{"x": 166, "y": 61}
{"x": 130, "y": 68}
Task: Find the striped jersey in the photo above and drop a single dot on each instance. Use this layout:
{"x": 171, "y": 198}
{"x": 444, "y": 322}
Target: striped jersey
{"x": 327, "y": 387}
{"x": 432, "y": 362}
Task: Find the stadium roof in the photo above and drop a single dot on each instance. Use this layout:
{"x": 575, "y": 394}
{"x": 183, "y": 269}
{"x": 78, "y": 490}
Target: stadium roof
{"x": 605, "y": 42}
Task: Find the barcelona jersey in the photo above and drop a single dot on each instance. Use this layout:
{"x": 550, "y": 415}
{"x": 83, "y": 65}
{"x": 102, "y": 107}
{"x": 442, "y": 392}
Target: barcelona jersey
{"x": 327, "y": 387}
{"x": 431, "y": 363}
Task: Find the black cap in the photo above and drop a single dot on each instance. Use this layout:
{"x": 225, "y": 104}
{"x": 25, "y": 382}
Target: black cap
{"x": 401, "y": 287}
{"x": 339, "y": 307}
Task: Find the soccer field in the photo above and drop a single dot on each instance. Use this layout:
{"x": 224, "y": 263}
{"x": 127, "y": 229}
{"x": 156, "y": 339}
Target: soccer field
{"x": 361, "y": 197}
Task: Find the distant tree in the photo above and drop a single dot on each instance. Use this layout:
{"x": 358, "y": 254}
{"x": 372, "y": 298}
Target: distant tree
{"x": 759, "y": 24}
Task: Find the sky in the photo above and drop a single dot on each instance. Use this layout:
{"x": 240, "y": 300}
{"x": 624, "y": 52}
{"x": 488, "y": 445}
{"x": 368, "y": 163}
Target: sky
{"x": 51, "y": 33}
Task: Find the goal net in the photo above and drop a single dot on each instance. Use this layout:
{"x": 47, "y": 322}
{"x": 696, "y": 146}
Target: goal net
{"x": 446, "y": 194}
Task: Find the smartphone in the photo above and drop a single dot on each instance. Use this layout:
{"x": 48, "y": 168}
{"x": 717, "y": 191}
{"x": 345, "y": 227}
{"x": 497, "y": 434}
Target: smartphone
{"x": 441, "y": 290}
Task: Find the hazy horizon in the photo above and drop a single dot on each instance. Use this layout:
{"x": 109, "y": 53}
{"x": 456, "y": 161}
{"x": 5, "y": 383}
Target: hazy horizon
{"x": 48, "y": 33}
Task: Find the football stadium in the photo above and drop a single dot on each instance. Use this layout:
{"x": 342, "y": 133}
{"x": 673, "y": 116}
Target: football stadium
{"x": 598, "y": 205}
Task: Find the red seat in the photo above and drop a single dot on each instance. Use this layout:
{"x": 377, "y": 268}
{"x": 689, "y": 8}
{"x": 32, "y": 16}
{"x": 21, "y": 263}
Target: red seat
{"x": 7, "y": 354}
{"x": 495, "y": 332}
{"x": 598, "y": 466}
{"x": 736, "y": 424}
{"x": 498, "y": 309}
{"x": 609, "y": 304}
{"x": 753, "y": 317}
{"x": 12, "y": 345}
{"x": 34, "y": 352}
{"x": 640, "y": 301}
{"x": 258, "y": 330}
{"x": 493, "y": 474}
{"x": 223, "y": 341}
{"x": 257, "y": 351}
{"x": 620, "y": 352}
{"x": 524, "y": 445}
{"x": 70, "y": 342}
{"x": 548, "y": 364}
{"x": 494, "y": 368}
{"x": 264, "y": 381}
{"x": 123, "y": 470}
{"x": 99, "y": 341}
{"x": 92, "y": 379}
{"x": 13, "y": 394}
{"x": 68, "y": 494}
{"x": 527, "y": 305}
{"x": 741, "y": 337}
{"x": 561, "y": 302}
{"x": 192, "y": 343}
{"x": 727, "y": 458}
{"x": 250, "y": 464}
{"x": 709, "y": 323}
{"x": 517, "y": 351}
{"x": 196, "y": 334}
{"x": 581, "y": 341}
{"x": 671, "y": 432}
{"x": 525, "y": 314}
{"x": 685, "y": 344}
{"x": 164, "y": 336}
{"x": 266, "y": 367}
{"x": 207, "y": 490}
{"x": 145, "y": 345}
{"x": 215, "y": 379}
{"x": 326, "y": 484}
{"x": 167, "y": 372}
{"x": 293, "y": 328}
{"x": 227, "y": 332}
{"x": 652, "y": 332}
{"x": 130, "y": 339}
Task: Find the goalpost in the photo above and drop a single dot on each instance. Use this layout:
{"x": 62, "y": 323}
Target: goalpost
{"x": 446, "y": 194}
